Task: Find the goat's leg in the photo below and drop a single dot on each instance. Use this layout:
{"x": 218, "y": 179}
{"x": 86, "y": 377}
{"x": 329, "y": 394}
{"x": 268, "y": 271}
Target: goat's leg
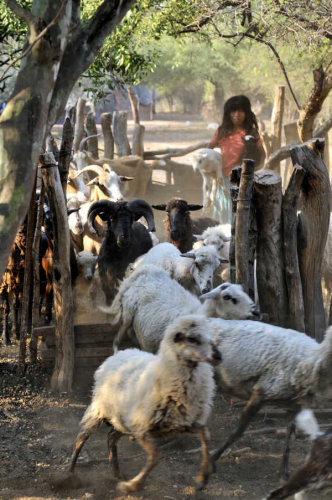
{"x": 112, "y": 440}
{"x": 152, "y": 460}
{"x": 206, "y": 466}
{"x": 251, "y": 409}
{"x": 284, "y": 470}
{"x": 298, "y": 481}
{"x": 92, "y": 425}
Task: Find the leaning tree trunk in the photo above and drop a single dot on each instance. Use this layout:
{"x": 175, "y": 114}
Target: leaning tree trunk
{"x": 65, "y": 153}
{"x": 91, "y": 129}
{"x": 242, "y": 224}
{"x": 292, "y": 271}
{"x": 134, "y": 104}
{"x": 271, "y": 283}
{"x": 62, "y": 378}
{"x": 120, "y": 133}
{"x": 312, "y": 231}
{"x": 106, "y": 126}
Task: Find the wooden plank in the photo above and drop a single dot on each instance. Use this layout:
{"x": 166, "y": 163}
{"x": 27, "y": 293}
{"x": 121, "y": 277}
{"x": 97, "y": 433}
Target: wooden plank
{"x": 97, "y": 328}
{"x": 90, "y": 362}
{"x": 93, "y": 352}
{"x": 44, "y": 330}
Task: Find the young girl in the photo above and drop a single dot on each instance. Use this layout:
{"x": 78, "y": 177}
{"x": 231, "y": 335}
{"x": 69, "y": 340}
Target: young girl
{"x": 238, "y": 121}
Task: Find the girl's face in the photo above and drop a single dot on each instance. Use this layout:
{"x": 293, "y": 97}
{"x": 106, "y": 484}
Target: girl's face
{"x": 238, "y": 117}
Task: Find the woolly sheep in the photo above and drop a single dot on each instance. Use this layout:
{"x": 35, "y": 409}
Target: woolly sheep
{"x": 316, "y": 473}
{"x": 265, "y": 364}
{"x": 155, "y": 396}
{"x": 193, "y": 270}
{"x": 149, "y": 300}
{"x": 219, "y": 237}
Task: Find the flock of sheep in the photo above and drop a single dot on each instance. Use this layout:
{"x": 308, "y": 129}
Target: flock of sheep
{"x": 188, "y": 337}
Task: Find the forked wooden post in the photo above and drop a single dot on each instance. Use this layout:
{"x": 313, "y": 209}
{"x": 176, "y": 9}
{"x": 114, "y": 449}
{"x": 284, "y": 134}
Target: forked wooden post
{"x": 242, "y": 224}
{"x": 120, "y": 133}
{"x": 62, "y": 378}
{"x": 91, "y": 128}
{"x": 106, "y": 126}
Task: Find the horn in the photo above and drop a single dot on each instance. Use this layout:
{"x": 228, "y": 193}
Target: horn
{"x": 72, "y": 210}
{"x": 107, "y": 167}
{"x": 191, "y": 208}
{"x": 188, "y": 255}
{"x": 142, "y": 209}
{"x": 211, "y": 295}
{"x": 159, "y": 207}
{"x": 92, "y": 168}
{"x": 93, "y": 182}
{"x": 102, "y": 208}
{"x": 123, "y": 178}
{"x": 223, "y": 261}
{"x": 83, "y": 141}
{"x": 198, "y": 237}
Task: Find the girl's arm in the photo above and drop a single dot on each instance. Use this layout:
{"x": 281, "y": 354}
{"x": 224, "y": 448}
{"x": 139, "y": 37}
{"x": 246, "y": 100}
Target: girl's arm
{"x": 214, "y": 141}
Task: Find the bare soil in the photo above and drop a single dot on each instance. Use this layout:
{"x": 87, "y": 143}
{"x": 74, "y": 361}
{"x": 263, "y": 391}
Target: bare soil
{"x": 38, "y": 428}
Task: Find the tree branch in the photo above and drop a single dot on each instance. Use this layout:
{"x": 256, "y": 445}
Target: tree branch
{"x": 25, "y": 15}
{"x": 108, "y": 15}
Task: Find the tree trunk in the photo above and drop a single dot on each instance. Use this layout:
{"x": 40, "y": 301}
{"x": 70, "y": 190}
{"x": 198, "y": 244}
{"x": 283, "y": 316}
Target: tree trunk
{"x": 65, "y": 153}
{"x": 312, "y": 231}
{"x": 62, "y": 377}
{"x": 292, "y": 271}
{"x": 91, "y": 129}
{"x": 120, "y": 133}
{"x": 71, "y": 113}
{"x": 36, "y": 274}
{"x": 277, "y": 116}
{"x": 106, "y": 125}
{"x": 79, "y": 127}
{"x": 242, "y": 224}
{"x": 134, "y": 104}
{"x": 138, "y": 141}
{"x": 270, "y": 261}
{"x": 26, "y": 296}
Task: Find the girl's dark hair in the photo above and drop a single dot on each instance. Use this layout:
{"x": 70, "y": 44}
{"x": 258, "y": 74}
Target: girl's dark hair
{"x": 238, "y": 102}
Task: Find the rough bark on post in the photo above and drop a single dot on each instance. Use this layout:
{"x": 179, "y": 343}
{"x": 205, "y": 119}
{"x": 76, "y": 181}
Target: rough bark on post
{"x": 242, "y": 224}
{"x": 36, "y": 275}
{"x": 292, "y": 271}
{"x": 51, "y": 146}
{"x": 292, "y": 136}
{"x": 234, "y": 193}
{"x": 106, "y": 126}
{"x": 79, "y": 127}
{"x": 277, "y": 116}
{"x": 62, "y": 377}
{"x": 26, "y": 303}
{"x": 138, "y": 141}
{"x": 270, "y": 274}
{"x": 120, "y": 133}
{"x": 65, "y": 152}
{"x": 71, "y": 113}
{"x": 91, "y": 129}
{"x": 312, "y": 231}
{"x": 134, "y": 104}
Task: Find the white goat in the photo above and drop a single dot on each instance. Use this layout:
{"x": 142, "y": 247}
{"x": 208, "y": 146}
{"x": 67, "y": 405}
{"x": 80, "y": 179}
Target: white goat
{"x": 266, "y": 364}
{"x": 76, "y": 186}
{"x": 148, "y": 396}
{"x": 76, "y": 224}
{"x": 209, "y": 164}
{"x": 86, "y": 263}
{"x": 149, "y": 300}
{"x": 193, "y": 270}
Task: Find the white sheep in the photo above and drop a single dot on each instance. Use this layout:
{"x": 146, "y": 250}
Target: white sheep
{"x": 149, "y": 300}
{"x": 193, "y": 270}
{"x": 75, "y": 223}
{"x": 86, "y": 263}
{"x": 155, "y": 396}
{"x": 219, "y": 237}
{"x": 209, "y": 164}
{"x": 263, "y": 363}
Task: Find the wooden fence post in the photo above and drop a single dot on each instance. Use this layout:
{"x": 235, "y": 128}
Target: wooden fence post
{"x": 270, "y": 259}
{"x": 242, "y": 224}
{"x": 292, "y": 271}
{"x": 120, "y": 133}
{"x": 79, "y": 127}
{"x": 138, "y": 141}
{"x": 312, "y": 231}
{"x": 234, "y": 192}
{"x": 277, "y": 116}
{"x": 91, "y": 129}
{"x": 106, "y": 125}
{"x": 134, "y": 104}
{"x": 65, "y": 152}
{"x": 62, "y": 378}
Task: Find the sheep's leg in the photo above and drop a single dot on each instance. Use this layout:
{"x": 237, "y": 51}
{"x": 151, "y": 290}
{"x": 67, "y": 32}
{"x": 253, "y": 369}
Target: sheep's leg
{"x": 92, "y": 424}
{"x": 251, "y": 409}
{"x": 152, "y": 460}
{"x": 206, "y": 467}
{"x": 284, "y": 470}
{"x": 295, "y": 484}
{"x": 112, "y": 440}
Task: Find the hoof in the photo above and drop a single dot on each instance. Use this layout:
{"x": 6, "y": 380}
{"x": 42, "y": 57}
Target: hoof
{"x": 201, "y": 481}
{"x": 127, "y": 486}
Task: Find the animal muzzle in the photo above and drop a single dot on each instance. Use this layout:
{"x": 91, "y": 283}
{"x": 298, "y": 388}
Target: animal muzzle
{"x": 175, "y": 235}
{"x": 88, "y": 277}
{"x": 207, "y": 288}
{"x": 122, "y": 241}
{"x": 255, "y": 314}
{"x": 216, "y": 356}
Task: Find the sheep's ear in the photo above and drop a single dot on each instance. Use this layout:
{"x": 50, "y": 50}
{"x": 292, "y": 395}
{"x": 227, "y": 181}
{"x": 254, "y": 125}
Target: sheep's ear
{"x": 188, "y": 255}
{"x": 198, "y": 237}
{"x": 211, "y": 295}
{"x": 178, "y": 337}
{"x": 204, "y": 155}
{"x": 191, "y": 208}
{"x": 159, "y": 207}
{"x": 123, "y": 178}
{"x": 223, "y": 261}
{"x": 93, "y": 182}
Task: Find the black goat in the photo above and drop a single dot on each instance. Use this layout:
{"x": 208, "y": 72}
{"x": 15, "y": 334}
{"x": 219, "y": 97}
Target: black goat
{"x": 124, "y": 241}
{"x": 180, "y": 227}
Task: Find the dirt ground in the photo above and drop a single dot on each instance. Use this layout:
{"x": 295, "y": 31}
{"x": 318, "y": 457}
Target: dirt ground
{"x": 38, "y": 428}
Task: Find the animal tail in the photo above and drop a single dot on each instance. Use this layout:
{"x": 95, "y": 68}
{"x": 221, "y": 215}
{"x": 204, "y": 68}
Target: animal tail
{"x": 306, "y": 422}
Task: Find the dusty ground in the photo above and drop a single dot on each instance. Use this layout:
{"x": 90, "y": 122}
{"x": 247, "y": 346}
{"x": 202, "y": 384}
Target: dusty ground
{"x": 38, "y": 428}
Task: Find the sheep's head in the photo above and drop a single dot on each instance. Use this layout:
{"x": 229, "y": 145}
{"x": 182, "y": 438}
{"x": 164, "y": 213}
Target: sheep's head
{"x": 86, "y": 263}
{"x": 205, "y": 260}
{"x": 177, "y": 217}
{"x": 187, "y": 340}
{"x": 120, "y": 217}
{"x": 75, "y": 222}
{"x": 231, "y": 302}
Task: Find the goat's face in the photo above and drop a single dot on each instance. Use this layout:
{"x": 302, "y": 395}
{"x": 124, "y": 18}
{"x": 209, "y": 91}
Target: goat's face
{"x": 231, "y": 302}
{"x": 86, "y": 263}
{"x": 120, "y": 222}
{"x": 204, "y": 261}
{"x": 188, "y": 339}
{"x": 108, "y": 186}
{"x": 177, "y": 220}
